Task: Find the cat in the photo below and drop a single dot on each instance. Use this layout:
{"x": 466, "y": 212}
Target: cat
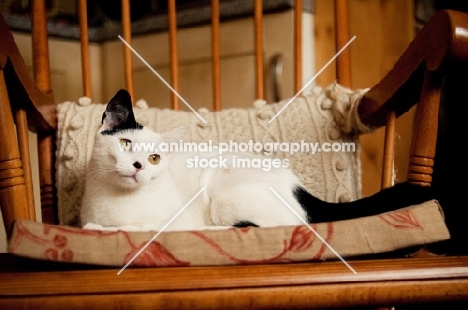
{"x": 142, "y": 190}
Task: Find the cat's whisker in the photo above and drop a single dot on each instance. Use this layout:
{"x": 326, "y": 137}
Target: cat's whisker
{"x": 97, "y": 173}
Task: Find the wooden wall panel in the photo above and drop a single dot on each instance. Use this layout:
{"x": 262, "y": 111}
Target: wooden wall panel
{"x": 325, "y": 40}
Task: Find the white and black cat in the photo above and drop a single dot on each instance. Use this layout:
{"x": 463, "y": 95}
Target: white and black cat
{"x": 143, "y": 190}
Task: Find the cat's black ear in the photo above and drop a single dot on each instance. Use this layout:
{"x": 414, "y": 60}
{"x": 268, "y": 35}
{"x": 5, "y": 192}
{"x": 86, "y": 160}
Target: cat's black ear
{"x": 119, "y": 114}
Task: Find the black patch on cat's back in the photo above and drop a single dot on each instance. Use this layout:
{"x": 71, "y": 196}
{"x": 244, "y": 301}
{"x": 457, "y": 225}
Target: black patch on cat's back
{"x": 243, "y": 224}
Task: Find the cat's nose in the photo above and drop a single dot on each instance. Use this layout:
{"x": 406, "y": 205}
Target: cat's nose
{"x": 137, "y": 165}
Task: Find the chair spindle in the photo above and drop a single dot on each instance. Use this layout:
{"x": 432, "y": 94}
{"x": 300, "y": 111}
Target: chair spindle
{"x": 127, "y": 35}
{"x": 216, "y": 55}
{"x": 46, "y": 141}
{"x": 258, "y": 31}
{"x": 84, "y": 44}
{"x": 297, "y": 46}
{"x": 173, "y": 52}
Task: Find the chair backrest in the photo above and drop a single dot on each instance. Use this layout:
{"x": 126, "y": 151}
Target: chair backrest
{"x": 42, "y": 77}
{"x": 416, "y": 77}
{"x": 16, "y": 181}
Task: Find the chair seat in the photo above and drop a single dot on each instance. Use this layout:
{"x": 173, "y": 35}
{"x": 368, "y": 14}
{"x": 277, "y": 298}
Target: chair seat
{"x": 411, "y": 226}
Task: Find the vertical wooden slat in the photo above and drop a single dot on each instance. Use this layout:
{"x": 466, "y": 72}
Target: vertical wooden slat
{"x": 127, "y": 35}
{"x": 298, "y": 46}
{"x": 258, "y": 25}
{"x": 85, "y": 67}
{"x": 23, "y": 143}
{"x": 40, "y": 46}
{"x": 173, "y": 52}
{"x": 46, "y": 150}
{"x": 389, "y": 151}
{"x": 46, "y": 141}
{"x": 216, "y": 55}
{"x": 388, "y": 160}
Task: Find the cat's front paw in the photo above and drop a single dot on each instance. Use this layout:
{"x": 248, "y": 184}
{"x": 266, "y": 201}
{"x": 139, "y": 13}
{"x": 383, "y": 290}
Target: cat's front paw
{"x": 214, "y": 227}
{"x": 142, "y": 227}
{"x": 92, "y": 226}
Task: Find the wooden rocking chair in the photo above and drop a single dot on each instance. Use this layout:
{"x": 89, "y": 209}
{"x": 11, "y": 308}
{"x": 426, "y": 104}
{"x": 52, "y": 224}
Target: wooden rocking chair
{"x": 440, "y": 49}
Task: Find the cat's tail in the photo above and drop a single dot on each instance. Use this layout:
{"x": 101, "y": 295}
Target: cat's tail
{"x": 399, "y": 196}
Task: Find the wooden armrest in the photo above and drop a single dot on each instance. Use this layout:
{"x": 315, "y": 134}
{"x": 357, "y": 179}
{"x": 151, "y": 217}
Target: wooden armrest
{"x": 438, "y": 50}
{"x": 440, "y": 47}
{"x": 22, "y": 91}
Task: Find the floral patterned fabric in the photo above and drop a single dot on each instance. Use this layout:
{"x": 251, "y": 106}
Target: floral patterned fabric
{"x": 415, "y": 225}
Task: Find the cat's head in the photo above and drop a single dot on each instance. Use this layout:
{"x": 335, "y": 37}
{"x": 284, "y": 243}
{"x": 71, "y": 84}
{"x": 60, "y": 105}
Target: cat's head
{"x": 126, "y": 154}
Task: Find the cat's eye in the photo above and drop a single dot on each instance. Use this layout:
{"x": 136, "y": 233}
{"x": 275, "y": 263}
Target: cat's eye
{"x": 125, "y": 144}
{"x": 154, "y": 159}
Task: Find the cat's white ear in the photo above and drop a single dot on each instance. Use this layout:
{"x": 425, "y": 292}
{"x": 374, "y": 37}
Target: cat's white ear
{"x": 176, "y": 135}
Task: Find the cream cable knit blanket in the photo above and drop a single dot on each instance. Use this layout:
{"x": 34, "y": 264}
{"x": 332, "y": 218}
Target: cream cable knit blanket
{"x": 324, "y": 115}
